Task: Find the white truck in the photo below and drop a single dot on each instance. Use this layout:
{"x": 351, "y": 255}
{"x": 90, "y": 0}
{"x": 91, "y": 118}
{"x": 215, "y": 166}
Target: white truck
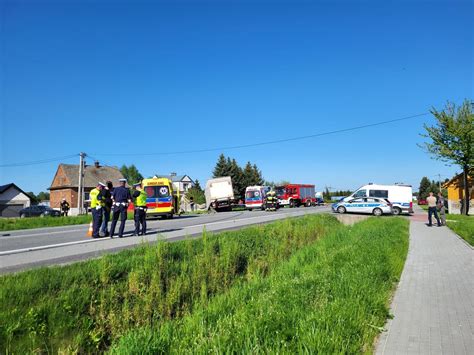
{"x": 399, "y": 195}
{"x": 219, "y": 193}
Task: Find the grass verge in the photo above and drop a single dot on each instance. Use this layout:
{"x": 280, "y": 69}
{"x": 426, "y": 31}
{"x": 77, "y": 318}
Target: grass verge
{"x": 462, "y": 225}
{"x": 86, "y": 307}
{"x": 329, "y": 297}
{"x": 8, "y": 224}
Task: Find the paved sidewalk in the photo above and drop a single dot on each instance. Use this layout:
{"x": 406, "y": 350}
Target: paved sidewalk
{"x": 433, "y": 306}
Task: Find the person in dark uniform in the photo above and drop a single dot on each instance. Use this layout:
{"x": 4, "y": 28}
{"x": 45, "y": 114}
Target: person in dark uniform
{"x": 96, "y": 207}
{"x": 140, "y": 209}
{"x": 107, "y": 195}
{"x": 64, "y": 207}
{"x": 121, "y": 197}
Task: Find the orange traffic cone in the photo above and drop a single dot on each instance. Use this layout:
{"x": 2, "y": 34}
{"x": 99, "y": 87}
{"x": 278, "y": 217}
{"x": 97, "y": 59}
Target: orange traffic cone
{"x": 89, "y": 232}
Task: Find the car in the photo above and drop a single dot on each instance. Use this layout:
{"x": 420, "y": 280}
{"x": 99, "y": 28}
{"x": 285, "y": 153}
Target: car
{"x": 373, "y": 205}
{"x": 39, "y": 211}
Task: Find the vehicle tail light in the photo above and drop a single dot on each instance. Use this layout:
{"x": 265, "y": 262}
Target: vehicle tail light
{"x": 411, "y": 205}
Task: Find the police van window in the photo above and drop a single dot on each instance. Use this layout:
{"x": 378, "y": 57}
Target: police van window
{"x": 378, "y": 193}
{"x": 360, "y": 193}
{"x": 357, "y": 200}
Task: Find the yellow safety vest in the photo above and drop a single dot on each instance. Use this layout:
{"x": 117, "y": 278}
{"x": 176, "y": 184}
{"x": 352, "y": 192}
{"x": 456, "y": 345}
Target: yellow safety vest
{"x": 94, "y": 194}
{"x": 141, "y": 199}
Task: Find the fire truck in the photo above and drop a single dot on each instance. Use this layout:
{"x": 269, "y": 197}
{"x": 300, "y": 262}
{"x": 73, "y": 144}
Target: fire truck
{"x": 295, "y": 195}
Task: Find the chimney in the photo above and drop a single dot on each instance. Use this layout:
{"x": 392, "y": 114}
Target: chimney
{"x": 96, "y": 164}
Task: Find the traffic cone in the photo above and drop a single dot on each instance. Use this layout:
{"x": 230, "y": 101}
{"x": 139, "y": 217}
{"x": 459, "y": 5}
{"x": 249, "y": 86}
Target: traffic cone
{"x": 89, "y": 232}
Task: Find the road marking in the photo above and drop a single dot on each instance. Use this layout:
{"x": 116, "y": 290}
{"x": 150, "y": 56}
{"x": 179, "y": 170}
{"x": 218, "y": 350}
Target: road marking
{"x": 50, "y": 246}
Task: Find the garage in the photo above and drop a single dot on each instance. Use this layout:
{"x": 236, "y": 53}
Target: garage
{"x": 12, "y": 200}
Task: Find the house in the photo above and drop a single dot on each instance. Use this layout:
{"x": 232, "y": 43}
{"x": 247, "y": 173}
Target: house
{"x": 66, "y": 180}
{"x": 180, "y": 182}
{"x": 12, "y": 200}
{"x": 455, "y": 188}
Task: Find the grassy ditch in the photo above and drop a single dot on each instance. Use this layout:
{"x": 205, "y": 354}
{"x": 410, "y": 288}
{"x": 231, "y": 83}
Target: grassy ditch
{"x": 8, "y": 224}
{"x": 329, "y": 297}
{"x": 86, "y": 307}
{"x": 462, "y": 225}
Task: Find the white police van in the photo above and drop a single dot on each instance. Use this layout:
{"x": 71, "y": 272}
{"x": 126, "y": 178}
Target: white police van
{"x": 399, "y": 195}
{"x": 373, "y": 205}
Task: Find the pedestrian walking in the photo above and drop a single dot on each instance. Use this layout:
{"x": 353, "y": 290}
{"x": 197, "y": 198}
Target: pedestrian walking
{"x": 107, "y": 194}
{"x": 96, "y": 208}
{"x": 121, "y": 197}
{"x": 441, "y": 205}
{"x": 432, "y": 210}
{"x": 140, "y": 197}
{"x": 64, "y": 206}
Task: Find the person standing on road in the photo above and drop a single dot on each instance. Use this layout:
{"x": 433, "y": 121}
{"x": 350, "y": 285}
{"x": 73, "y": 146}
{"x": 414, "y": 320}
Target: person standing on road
{"x": 64, "y": 207}
{"x": 107, "y": 194}
{"x": 441, "y": 208}
{"x": 121, "y": 197}
{"x": 140, "y": 209}
{"x": 96, "y": 208}
{"x": 432, "y": 209}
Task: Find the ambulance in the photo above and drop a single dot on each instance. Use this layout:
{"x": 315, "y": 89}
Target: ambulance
{"x": 254, "y": 197}
{"x": 162, "y": 200}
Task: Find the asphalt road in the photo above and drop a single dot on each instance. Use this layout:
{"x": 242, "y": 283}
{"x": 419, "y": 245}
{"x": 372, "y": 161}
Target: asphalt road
{"x": 26, "y": 249}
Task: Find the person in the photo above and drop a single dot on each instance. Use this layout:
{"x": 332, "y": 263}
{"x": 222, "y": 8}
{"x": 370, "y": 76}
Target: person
{"x": 270, "y": 201}
{"x": 140, "y": 197}
{"x": 432, "y": 210}
{"x": 191, "y": 203}
{"x": 441, "y": 205}
{"x": 64, "y": 207}
{"x": 96, "y": 208}
{"x": 121, "y": 197}
{"x": 107, "y": 194}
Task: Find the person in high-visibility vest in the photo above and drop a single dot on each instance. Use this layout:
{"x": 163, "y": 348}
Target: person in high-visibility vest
{"x": 97, "y": 204}
{"x": 140, "y": 209}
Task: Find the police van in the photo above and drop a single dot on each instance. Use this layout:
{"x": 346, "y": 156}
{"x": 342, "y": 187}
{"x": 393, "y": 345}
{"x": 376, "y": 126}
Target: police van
{"x": 399, "y": 195}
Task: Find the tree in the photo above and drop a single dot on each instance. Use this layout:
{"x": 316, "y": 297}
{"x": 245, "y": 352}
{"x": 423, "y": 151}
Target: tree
{"x": 452, "y": 140}
{"x": 131, "y": 173}
{"x": 424, "y": 188}
{"x": 34, "y": 199}
{"x": 257, "y": 177}
{"x": 221, "y": 168}
{"x": 196, "y": 193}
{"x": 43, "y": 196}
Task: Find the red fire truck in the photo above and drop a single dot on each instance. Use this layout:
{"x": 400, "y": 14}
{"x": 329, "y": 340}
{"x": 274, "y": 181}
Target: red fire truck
{"x": 295, "y": 195}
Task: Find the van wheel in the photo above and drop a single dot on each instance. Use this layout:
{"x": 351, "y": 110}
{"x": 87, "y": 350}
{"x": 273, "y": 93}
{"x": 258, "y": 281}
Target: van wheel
{"x": 170, "y": 216}
{"x": 341, "y": 209}
{"x": 22, "y": 215}
{"x": 308, "y": 203}
{"x": 292, "y": 203}
{"x": 396, "y": 211}
{"x": 377, "y": 212}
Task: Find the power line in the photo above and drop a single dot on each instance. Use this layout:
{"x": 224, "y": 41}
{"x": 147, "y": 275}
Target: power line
{"x": 43, "y": 161}
{"x": 267, "y": 142}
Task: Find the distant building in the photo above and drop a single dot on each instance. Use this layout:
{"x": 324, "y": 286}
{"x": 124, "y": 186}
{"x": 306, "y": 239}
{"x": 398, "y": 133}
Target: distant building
{"x": 180, "y": 182}
{"x": 455, "y": 188}
{"x": 66, "y": 180}
{"x": 12, "y": 200}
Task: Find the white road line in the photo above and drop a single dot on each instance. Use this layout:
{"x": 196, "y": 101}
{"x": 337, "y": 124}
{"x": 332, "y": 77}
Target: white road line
{"x": 49, "y": 246}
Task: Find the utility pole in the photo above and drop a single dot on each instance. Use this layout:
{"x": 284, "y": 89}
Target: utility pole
{"x": 80, "y": 190}
{"x": 439, "y": 182}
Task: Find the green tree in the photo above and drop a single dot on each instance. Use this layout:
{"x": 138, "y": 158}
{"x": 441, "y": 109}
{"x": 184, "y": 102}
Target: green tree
{"x": 257, "y": 176}
{"x": 424, "y": 188}
{"x": 196, "y": 193}
{"x": 222, "y": 167}
{"x": 43, "y": 196}
{"x": 34, "y": 199}
{"x": 452, "y": 140}
{"x": 131, "y": 173}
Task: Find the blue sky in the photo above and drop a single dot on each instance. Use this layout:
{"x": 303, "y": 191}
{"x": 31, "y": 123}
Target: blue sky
{"x": 106, "y": 77}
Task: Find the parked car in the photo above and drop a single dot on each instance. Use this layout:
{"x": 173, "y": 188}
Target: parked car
{"x": 41, "y": 211}
{"x": 373, "y": 205}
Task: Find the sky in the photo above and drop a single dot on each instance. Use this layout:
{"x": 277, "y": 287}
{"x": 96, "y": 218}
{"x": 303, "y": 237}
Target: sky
{"x": 136, "y": 82}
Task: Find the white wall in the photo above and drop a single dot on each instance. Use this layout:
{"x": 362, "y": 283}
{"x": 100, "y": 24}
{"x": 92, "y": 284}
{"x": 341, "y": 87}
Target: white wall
{"x": 13, "y": 196}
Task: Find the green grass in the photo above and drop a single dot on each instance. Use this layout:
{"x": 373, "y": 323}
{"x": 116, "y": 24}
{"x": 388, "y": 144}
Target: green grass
{"x": 86, "y": 307}
{"x": 329, "y": 297}
{"x": 462, "y": 225}
{"x": 8, "y": 224}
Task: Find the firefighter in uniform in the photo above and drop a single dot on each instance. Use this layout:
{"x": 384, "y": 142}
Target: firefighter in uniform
{"x": 271, "y": 201}
{"x": 140, "y": 209}
{"x": 121, "y": 197}
{"x": 96, "y": 207}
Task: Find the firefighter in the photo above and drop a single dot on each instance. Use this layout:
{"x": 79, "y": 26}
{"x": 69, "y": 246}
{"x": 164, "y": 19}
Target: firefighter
{"x": 121, "y": 197}
{"x": 140, "y": 209}
{"x": 270, "y": 203}
{"x": 64, "y": 207}
{"x": 96, "y": 207}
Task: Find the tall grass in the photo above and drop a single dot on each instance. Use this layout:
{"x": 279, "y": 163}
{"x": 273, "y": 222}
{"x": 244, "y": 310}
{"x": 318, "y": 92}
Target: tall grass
{"x": 87, "y": 306}
{"x": 329, "y": 297}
